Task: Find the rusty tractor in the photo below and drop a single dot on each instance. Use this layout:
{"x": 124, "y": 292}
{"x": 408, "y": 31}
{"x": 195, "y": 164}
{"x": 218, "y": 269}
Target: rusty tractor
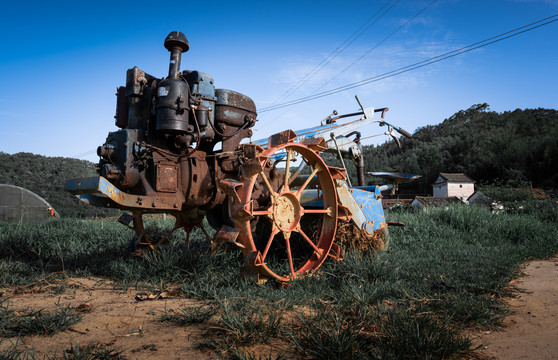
{"x": 182, "y": 148}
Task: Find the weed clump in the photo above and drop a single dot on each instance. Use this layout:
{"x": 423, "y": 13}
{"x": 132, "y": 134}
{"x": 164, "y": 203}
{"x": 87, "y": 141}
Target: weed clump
{"x": 92, "y": 352}
{"x": 409, "y": 333}
{"x": 250, "y": 323}
{"x": 188, "y": 316}
{"x": 241, "y": 325}
{"x": 35, "y": 322}
{"x": 327, "y": 333}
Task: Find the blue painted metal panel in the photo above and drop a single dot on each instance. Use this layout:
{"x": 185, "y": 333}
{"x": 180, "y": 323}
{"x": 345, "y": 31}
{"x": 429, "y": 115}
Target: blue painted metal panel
{"x": 311, "y": 199}
{"x": 371, "y": 204}
{"x": 367, "y": 198}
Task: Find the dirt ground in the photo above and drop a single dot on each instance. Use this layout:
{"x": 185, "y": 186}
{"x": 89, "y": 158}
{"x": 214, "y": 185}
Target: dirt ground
{"x": 531, "y": 332}
{"x": 115, "y": 317}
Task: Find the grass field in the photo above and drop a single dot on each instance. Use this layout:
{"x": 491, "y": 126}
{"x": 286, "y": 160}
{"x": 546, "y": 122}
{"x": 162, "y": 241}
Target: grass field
{"x": 446, "y": 271}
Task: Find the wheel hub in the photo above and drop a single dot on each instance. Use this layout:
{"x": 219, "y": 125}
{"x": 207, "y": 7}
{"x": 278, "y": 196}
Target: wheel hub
{"x": 286, "y": 212}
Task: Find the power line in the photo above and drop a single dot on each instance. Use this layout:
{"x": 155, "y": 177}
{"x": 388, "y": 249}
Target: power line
{"x": 420, "y": 64}
{"x": 416, "y": 65}
{"x": 79, "y": 156}
{"x": 304, "y": 80}
{"x": 346, "y": 43}
{"x": 378, "y": 44}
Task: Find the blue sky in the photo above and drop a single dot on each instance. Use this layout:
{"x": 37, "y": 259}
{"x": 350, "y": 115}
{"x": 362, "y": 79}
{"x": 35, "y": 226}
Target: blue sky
{"x": 62, "y": 61}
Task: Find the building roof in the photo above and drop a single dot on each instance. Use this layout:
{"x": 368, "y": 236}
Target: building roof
{"x": 454, "y": 177}
{"x": 478, "y": 194}
{"x": 387, "y": 203}
{"x": 437, "y": 200}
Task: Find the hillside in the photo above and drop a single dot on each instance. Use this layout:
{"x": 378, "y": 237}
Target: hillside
{"x": 46, "y": 176}
{"x": 518, "y": 146}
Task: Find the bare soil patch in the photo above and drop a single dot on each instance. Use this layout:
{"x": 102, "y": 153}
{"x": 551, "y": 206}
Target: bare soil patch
{"x": 111, "y": 317}
{"x": 531, "y": 332}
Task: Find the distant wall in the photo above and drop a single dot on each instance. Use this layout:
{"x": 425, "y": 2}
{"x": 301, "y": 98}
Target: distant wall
{"x": 440, "y": 190}
{"x": 460, "y": 190}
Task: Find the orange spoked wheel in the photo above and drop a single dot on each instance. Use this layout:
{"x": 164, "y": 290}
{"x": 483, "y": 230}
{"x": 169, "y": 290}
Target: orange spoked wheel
{"x": 287, "y": 222}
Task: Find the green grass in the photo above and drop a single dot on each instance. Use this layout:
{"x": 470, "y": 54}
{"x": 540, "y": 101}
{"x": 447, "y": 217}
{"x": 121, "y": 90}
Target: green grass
{"x": 446, "y": 271}
{"x": 188, "y": 316}
{"x": 35, "y": 322}
{"x": 250, "y": 322}
{"x": 92, "y": 352}
{"x": 16, "y": 352}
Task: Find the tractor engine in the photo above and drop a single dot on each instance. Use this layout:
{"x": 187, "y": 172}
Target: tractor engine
{"x": 178, "y": 137}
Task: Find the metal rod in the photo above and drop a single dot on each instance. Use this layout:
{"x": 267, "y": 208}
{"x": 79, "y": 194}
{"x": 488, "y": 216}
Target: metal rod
{"x": 341, "y": 157}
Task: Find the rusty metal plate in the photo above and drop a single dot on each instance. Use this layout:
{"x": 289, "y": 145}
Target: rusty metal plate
{"x": 251, "y": 151}
{"x": 229, "y": 187}
{"x": 336, "y": 252}
{"x": 281, "y": 138}
{"x": 316, "y": 144}
{"x": 99, "y": 191}
{"x": 244, "y": 214}
{"x": 229, "y": 235}
{"x": 252, "y": 167}
{"x": 338, "y": 173}
{"x": 167, "y": 178}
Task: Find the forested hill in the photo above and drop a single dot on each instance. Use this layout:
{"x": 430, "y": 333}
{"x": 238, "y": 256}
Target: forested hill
{"x": 46, "y": 176}
{"x": 517, "y": 146}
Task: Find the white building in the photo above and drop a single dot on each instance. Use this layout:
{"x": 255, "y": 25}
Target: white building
{"x": 449, "y": 185}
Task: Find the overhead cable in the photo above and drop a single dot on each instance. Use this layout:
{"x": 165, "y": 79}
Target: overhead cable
{"x": 420, "y": 64}
{"x": 348, "y": 41}
{"x": 374, "y": 48}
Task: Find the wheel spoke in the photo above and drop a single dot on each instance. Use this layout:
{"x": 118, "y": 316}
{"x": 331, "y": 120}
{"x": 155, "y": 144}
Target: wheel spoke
{"x": 314, "y": 172}
{"x": 297, "y": 171}
{"x": 267, "y": 183}
{"x": 288, "y": 243}
{"x": 309, "y": 241}
{"x": 316, "y": 211}
{"x": 274, "y": 232}
{"x": 287, "y": 172}
{"x": 260, "y": 212}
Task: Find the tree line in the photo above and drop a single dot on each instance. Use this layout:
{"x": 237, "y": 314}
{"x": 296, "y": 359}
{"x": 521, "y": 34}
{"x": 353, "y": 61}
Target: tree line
{"x": 514, "y": 147}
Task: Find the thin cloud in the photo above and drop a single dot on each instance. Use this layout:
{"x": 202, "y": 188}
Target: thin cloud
{"x": 382, "y": 60}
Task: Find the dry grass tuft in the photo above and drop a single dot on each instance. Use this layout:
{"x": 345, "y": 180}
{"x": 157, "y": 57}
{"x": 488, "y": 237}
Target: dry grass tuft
{"x": 350, "y": 237}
